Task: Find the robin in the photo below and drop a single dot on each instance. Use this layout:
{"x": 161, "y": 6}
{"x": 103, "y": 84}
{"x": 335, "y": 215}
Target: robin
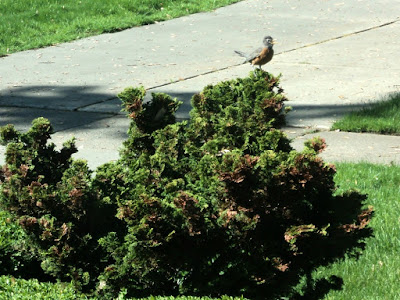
{"x": 260, "y": 56}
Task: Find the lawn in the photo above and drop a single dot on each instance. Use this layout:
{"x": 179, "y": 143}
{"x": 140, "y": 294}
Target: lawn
{"x": 380, "y": 117}
{"x": 29, "y": 24}
{"x": 376, "y": 273}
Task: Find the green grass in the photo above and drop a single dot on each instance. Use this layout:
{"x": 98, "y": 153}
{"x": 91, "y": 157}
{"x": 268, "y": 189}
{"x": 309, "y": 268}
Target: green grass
{"x": 192, "y": 298}
{"x": 380, "y": 117}
{"x": 376, "y": 274}
{"x": 28, "y": 24}
{"x": 21, "y": 289}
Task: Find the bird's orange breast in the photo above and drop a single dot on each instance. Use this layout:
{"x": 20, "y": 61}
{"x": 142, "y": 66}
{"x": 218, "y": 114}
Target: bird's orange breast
{"x": 264, "y": 57}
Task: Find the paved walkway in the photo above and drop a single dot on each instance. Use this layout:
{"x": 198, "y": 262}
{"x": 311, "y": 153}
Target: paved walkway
{"x": 334, "y": 56}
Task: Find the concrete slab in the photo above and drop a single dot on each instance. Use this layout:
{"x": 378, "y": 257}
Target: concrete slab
{"x": 323, "y": 82}
{"x": 355, "y": 147}
{"x": 102, "y": 66}
{"x": 61, "y": 120}
{"x": 98, "y": 142}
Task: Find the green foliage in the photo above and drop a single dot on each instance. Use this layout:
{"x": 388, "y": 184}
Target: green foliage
{"x": 21, "y": 289}
{"x": 221, "y": 204}
{"x": 192, "y": 298}
{"x": 16, "y": 255}
{"x": 151, "y": 115}
{"x": 316, "y": 144}
{"x": 50, "y": 196}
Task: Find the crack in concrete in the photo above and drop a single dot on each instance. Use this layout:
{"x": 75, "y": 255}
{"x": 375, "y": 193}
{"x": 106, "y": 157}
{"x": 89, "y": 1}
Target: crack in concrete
{"x": 239, "y": 64}
{"x": 283, "y": 52}
{"x": 322, "y": 65}
{"x": 108, "y": 116}
{"x": 95, "y": 103}
{"x": 343, "y": 36}
{"x": 105, "y": 115}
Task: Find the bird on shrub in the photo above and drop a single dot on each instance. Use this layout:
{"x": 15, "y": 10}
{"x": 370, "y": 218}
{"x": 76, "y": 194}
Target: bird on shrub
{"x": 260, "y": 56}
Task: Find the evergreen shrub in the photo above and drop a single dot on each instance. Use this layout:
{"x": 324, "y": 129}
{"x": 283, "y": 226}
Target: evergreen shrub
{"x": 221, "y": 204}
{"x": 16, "y": 256}
{"x": 216, "y": 205}
{"x": 50, "y": 196}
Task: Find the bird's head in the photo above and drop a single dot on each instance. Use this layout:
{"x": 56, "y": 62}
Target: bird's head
{"x": 268, "y": 41}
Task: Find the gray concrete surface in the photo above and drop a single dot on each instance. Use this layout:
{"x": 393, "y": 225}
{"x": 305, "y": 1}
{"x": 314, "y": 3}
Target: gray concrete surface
{"x": 354, "y": 147}
{"x": 334, "y": 57}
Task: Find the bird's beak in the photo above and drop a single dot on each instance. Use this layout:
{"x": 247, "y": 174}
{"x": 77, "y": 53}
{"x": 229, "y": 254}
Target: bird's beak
{"x": 274, "y": 42}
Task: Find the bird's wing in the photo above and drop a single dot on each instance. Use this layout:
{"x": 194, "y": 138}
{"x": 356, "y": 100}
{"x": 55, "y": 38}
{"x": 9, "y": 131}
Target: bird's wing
{"x": 254, "y": 54}
{"x": 264, "y": 57}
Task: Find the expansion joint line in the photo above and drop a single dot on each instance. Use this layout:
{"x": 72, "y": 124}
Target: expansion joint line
{"x": 342, "y": 36}
{"x": 290, "y": 50}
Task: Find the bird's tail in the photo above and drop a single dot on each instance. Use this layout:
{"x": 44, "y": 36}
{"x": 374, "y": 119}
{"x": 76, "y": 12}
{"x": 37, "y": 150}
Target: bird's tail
{"x": 240, "y": 53}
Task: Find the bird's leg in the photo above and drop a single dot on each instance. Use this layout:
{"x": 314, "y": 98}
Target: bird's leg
{"x": 255, "y": 70}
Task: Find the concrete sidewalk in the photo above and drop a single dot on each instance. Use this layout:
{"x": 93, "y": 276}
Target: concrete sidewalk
{"x": 334, "y": 56}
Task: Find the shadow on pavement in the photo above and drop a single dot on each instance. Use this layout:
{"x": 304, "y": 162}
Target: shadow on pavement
{"x": 54, "y": 96}
{"x": 319, "y": 115}
{"x": 22, "y": 117}
{"x": 324, "y": 111}
{"x": 59, "y": 104}
{"x": 81, "y": 108}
